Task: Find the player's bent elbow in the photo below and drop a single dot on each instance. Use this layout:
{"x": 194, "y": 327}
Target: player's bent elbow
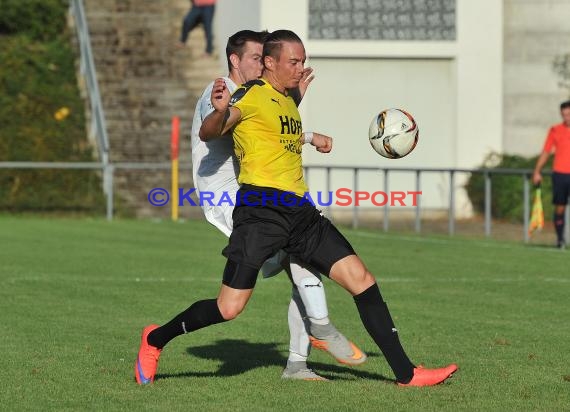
{"x": 206, "y": 135}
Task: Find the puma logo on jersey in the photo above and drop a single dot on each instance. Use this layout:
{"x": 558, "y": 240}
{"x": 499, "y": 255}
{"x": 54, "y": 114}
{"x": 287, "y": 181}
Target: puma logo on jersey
{"x": 276, "y": 101}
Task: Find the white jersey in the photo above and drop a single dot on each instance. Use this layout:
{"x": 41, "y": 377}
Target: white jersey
{"x": 214, "y": 164}
{"x": 215, "y": 169}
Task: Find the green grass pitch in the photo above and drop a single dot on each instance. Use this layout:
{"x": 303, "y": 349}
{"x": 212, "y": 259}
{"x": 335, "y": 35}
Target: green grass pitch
{"x": 76, "y": 293}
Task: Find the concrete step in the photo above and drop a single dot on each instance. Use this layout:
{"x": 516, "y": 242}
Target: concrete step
{"x": 145, "y": 80}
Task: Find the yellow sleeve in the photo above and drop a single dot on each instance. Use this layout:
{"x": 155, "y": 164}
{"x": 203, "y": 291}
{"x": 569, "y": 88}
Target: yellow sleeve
{"x": 244, "y": 99}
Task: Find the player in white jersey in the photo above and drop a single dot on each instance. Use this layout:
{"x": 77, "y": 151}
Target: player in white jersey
{"x": 215, "y": 169}
{"x": 214, "y": 165}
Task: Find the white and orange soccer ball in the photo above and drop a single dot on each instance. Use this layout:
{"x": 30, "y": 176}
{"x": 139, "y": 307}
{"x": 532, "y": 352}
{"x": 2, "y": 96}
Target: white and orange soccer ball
{"x": 393, "y": 133}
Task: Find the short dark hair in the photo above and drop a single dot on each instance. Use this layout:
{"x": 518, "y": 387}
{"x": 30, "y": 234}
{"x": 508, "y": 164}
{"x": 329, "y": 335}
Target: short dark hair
{"x": 565, "y": 105}
{"x": 236, "y": 43}
{"x": 274, "y": 42}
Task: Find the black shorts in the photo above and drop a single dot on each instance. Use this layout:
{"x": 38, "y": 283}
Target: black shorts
{"x": 560, "y": 188}
{"x": 266, "y": 220}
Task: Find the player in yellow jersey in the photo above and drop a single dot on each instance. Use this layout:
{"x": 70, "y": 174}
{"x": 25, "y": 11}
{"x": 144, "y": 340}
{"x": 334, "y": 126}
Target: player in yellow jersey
{"x": 271, "y": 213}
{"x": 215, "y": 169}
{"x": 274, "y": 160}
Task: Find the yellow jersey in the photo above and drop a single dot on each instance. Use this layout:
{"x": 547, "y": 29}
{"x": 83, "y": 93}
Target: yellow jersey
{"x": 267, "y": 139}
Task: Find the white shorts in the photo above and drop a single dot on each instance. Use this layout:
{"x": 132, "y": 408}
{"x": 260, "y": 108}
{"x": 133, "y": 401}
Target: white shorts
{"x": 221, "y": 217}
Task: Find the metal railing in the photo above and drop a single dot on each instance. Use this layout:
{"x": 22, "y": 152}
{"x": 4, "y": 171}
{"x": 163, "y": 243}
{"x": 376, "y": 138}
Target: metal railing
{"x": 109, "y": 169}
{"x": 525, "y": 175}
{"x": 98, "y": 127}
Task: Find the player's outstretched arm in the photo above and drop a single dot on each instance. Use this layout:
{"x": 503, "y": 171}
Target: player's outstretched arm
{"x": 321, "y": 142}
{"x": 224, "y": 117}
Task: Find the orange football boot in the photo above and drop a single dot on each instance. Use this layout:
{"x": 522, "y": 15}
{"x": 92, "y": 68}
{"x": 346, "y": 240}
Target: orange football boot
{"x": 147, "y": 360}
{"x": 429, "y": 377}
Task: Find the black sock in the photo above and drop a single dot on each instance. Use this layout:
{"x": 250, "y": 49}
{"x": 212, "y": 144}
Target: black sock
{"x": 201, "y": 314}
{"x": 378, "y": 322}
{"x": 559, "y": 226}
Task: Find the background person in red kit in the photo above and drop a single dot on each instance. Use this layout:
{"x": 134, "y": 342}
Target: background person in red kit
{"x": 558, "y": 142}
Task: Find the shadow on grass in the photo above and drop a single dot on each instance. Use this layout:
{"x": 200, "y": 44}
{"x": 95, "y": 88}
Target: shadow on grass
{"x": 240, "y": 356}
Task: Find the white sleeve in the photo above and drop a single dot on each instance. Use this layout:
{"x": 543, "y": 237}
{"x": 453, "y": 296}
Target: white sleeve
{"x": 201, "y": 111}
{"x": 206, "y": 106}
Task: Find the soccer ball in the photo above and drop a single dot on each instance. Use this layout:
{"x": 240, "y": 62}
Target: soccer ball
{"x": 393, "y": 133}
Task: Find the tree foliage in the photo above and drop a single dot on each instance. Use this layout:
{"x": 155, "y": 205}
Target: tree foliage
{"x": 38, "y": 80}
{"x": 506, "y": 190}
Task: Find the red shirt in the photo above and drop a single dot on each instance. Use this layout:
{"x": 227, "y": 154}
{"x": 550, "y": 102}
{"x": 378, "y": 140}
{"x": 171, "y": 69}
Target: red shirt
{"x": 201, "y": 3}
{"x": 558, "y": 141}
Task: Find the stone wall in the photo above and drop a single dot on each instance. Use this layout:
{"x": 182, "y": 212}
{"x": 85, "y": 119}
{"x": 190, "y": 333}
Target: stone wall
{"x": 535, "y": 32}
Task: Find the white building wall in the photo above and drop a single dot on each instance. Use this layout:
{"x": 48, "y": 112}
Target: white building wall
{"x": 349, "y": 92}
{"x": 479, "y": 80}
